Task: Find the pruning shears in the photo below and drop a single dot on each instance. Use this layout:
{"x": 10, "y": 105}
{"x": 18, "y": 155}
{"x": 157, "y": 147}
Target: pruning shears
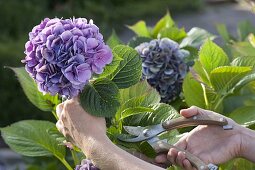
{"x": 150, "y": 134}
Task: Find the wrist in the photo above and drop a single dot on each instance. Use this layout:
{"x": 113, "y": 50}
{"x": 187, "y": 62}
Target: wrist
{"x": 247, "y": 143}
{"x": 91, "y": 143}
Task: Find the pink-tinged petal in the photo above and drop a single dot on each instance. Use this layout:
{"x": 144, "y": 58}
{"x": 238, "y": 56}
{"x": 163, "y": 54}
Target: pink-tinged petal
{"x": 84, "y": 72}
{"x": 92, "y": 43}
{"x": 103, "y": 57}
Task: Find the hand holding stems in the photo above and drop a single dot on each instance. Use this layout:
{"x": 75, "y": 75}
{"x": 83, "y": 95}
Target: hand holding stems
{"x": 89, "y": 133}
{"x": 212, "y": 144}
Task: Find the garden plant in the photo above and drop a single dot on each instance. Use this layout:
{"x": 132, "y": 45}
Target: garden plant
{"x": 161, "y": 70}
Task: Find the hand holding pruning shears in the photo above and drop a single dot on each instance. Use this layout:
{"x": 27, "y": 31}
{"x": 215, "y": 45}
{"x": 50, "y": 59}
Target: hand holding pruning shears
{"x": 180, "y": 152}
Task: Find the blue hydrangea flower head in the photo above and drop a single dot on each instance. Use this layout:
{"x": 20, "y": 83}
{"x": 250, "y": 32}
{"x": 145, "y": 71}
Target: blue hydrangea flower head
{"x": 163, "y": 66}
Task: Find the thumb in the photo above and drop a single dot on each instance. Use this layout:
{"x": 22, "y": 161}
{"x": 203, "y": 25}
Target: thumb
{"x": 189, "y": 112}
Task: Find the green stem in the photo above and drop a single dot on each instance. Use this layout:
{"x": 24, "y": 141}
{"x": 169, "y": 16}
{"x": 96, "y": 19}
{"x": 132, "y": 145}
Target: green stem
{"x": 65, "y": 163}
{"x": 219, "y": 102}
{"x": 205, "y": 96}
{"x": 55, "y": 114}
{"x": 75, "y": 158}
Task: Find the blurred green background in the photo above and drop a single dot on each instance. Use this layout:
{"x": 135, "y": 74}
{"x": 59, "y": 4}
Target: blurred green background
{"x": 19, "y": 16}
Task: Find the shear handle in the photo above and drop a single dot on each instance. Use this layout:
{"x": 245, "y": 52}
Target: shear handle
{"x": 194, "y": 121}
{"x": 162, "y": 147}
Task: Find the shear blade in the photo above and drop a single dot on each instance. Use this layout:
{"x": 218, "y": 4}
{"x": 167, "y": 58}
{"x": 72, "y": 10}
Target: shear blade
{"x": 129, "y": 138}
{"x": 133, "y": 130}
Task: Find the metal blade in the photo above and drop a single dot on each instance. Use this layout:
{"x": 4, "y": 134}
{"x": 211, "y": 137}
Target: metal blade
{"x": 156, "y": 139}
{"x": 134, "y": 130}
{"x": 147, "y": 133}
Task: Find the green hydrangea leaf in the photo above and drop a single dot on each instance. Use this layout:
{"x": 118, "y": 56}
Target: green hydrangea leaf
{"x": 244, "y": 61}
{"x": 244, "y": 29}
{"x": 134, "y": 111}
{"x": 165, "y": 22}
{"x": 44, "y": 102}
{"x": 172, "y": 33}
{"x": 129, "y": 71}
{"x": 113, "y": 40}
{"x": 31, "y": 138}
{"x": 238, "y": 163}
{"x": 251, "y": 39}
{"x": 111, "y": 68}
{"x": 193, "y": 92}
{"x": 222, "y": 30}
{"x": 140, "y": 29}
{"x": 161, "y": 113}
{"x": 244, "y": 115}
{"x": 151, "y": 96}
{"x": 244, "y": 81}
{"x": 196, "y": 37}
{"x": 212, "y": 56}
{"x": 243, "y": 49}
{"x": 224, "y": 78}
{"x": 100, "y": 98}
{"x": 135, "y": 41}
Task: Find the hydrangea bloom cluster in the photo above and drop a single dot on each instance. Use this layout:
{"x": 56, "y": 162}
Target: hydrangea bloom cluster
{"x": 163, "y": 66}
{"x": 63, "y": 54}
{"x": 86, "y": 165}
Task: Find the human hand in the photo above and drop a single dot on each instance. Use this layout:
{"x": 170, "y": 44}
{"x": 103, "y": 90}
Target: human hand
{"x": 211, "y": 143}
{"x": 78, "y": 125}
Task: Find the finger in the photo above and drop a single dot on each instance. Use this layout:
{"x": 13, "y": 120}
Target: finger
{"x": 59, "y": 109}
{"x": 193, "y": 110}
{"x": 161, "y": 159}
{"x": 172, "y": 154}
{"x": 187, "y": 165}
{"x": 59, "y": 126}
{"x": 182, "y": 143}
{"x": 179, "y": 159}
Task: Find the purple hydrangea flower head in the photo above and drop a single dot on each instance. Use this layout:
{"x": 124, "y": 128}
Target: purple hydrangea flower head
{"x": 86, "y": 165}
{"x": 63, "y": 54}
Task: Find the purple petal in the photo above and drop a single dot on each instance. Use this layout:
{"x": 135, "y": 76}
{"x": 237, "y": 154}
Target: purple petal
{"x": 29, "y": 46}
{"x": 92, "y": 43}
{"x": 84, "y": 73}
{"x": 65, "y": 36}
{"x": 48, "y": 54}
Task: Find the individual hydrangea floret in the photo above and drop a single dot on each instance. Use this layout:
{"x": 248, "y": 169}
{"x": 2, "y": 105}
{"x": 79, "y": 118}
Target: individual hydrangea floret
{"x": 63, "y": 54}
{"x": 86, "y": 165}
{"x": 163, "y": 66}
